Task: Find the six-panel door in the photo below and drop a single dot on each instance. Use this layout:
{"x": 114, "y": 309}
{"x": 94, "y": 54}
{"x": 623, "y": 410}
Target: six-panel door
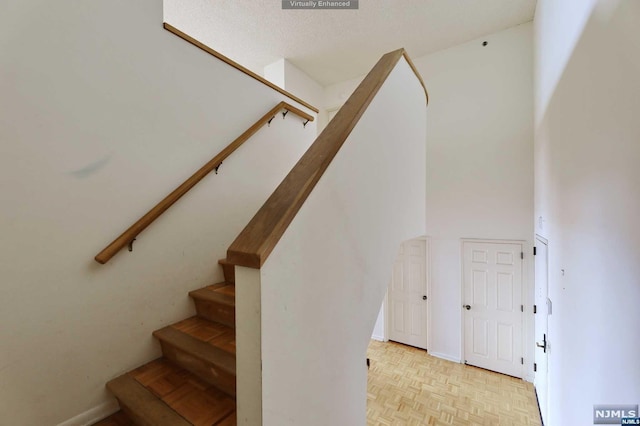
{"x": 492, "y": 303}
{"x": 407, "y": 296}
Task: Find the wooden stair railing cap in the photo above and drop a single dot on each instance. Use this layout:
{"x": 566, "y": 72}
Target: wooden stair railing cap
{"x": 254, "y": 244}
{"x": 237, "y": 66}
{"x": 417, "y": 73}
{"x": 141, "y": 224}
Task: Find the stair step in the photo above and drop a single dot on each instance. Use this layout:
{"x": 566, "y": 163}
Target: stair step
{"x": 231, "y": 420}
{"x": 160, "y": 393}
{"x": 216, "y": 303}
{"x": 228, "y": 269}
{"x": 227, "y": 288}
{"x": 195, "y": 382}
{"x": 215, "y": 334}
{"x": 142, "y": 406}
{"x": 120, "y": 419}
{"x": 208, "y": 361}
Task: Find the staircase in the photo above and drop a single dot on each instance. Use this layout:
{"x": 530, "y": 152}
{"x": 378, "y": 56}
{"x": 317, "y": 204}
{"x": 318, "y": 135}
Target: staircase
{"x": 194, "y": 383}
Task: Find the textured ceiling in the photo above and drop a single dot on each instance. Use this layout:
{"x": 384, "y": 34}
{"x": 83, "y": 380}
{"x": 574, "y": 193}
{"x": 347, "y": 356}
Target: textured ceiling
{"x": 337, "y": 45}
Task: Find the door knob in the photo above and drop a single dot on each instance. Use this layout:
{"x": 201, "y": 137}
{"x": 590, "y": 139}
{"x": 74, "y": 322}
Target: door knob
{"x": 467, "y": 307}
{"x": 424, "y": 297}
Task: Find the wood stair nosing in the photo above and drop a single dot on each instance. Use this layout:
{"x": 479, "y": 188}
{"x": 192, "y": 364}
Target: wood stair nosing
{"x": 197, "y": 348}
{"x": 142, "y": 406}
{"x": 214, "y": 306}
{"x": 209, "y": 363}
{"x": 208, "y": 294}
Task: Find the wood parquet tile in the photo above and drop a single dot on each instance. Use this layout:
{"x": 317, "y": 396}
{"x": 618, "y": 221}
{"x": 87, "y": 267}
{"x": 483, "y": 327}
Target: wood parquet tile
{"x": 407, "y": 386}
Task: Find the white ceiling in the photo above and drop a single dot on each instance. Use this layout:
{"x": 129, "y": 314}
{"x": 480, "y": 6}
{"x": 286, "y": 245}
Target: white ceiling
{"x": 336, "y": 45}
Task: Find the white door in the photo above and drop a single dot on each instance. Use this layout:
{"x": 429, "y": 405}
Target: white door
{"x": 492, "y": 306}
{"x": 408, "y": 295}
{"x": 541, "y": 326}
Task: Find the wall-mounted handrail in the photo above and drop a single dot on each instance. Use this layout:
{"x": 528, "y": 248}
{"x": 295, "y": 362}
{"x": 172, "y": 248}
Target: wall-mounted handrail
{"x": 237, "y": 66}
{"x": 130, "y": 234}
{"x": 254, "y": 244}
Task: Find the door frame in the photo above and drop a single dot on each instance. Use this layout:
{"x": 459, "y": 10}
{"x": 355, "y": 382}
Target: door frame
{"x": 524, "y": 299}
{"x": 542, "y": 240}
{"x": 427, "y": 278}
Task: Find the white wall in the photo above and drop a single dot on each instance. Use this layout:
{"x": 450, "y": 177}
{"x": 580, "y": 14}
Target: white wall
{"x": 102, "y": 113}
{"x": 379, "y": 332}
{"x": 337, "y": 94}
{"x": 479, "y": 165}
{"x": 327, "y": 276}
{"x": 558, "y": 26}
{"x": 274, "y": 72}
{"x": 587, "y": 181}
{"x": 194, "y": 18}
{"x": 294, "y": 80}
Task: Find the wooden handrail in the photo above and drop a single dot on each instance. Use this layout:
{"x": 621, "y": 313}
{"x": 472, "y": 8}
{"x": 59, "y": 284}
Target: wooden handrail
{"x": 254, "y": 244}
{"x": 237, "y": 66}
{"x": 417, "y": 73}
{"x": 128, "y": 236}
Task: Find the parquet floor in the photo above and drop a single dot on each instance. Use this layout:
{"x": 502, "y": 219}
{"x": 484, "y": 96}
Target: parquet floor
{"x": 406, "y": 386}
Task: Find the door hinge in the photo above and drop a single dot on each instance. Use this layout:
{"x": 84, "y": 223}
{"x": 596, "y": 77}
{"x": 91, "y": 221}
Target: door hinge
{"x": 521, "y": 255}
{"x": 535, "y": 367}
{"x": 521, "y": 308}
{"x": 535, "y": 251}
{"x": 522, "y": 361}
{"x": 535, "y": 309}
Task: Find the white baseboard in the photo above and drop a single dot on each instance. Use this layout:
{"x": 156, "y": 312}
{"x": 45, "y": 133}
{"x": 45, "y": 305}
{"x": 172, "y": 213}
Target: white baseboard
{"x": 378, "y": 338}
{"x": 93, "y": 415}
{"x": 445, "y": 357}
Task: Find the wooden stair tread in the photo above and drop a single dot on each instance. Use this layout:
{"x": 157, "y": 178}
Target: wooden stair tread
{"x": 216, "y": 303}
{"x": 224, "y": 287}
{"x": 195, "y": 381}
{"x": 231, "y": 420}
{"x": 228, "y": 289}
{"x": 215, "y": 334}
{"x": 223, "y": 293}
{"x": 142, "y": 406}
{"x": 195, "y": 400}
{"x": 197, "y": 348}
